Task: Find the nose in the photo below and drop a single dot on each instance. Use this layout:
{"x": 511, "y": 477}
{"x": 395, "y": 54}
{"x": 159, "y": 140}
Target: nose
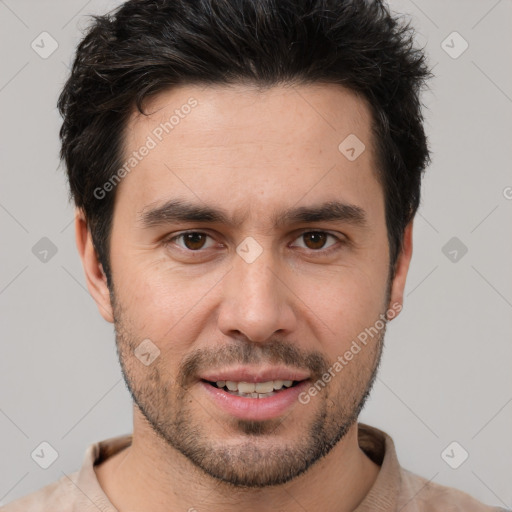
{"x": 257, "y": 302}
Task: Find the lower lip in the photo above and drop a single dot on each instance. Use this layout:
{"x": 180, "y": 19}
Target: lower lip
{"x": 255, "y": 408}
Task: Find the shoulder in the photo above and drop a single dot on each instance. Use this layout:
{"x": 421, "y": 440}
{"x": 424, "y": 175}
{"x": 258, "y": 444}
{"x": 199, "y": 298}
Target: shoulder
{"x": 75, "y": 491}
{"x": 55, "y": 497}
{"x": 417, "y": 494}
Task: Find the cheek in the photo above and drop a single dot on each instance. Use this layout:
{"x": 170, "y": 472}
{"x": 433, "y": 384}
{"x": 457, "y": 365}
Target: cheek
{"x": 342, "y": 303}
{"x": 164, "y": 304}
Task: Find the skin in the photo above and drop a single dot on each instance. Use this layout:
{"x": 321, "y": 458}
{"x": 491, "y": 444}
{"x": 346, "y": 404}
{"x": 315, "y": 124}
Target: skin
{"x": 301, "y": 303}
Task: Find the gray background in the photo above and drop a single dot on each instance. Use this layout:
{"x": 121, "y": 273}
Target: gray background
{"x": 446, "y": 373}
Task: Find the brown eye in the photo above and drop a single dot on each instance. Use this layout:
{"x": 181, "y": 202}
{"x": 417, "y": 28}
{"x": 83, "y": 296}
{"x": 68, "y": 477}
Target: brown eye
{"x": 194, "y": 241}
{"x": 316, "y": 240}
{"x": 191, "y": 241}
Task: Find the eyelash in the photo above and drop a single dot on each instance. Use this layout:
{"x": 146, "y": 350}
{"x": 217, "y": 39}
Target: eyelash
{"x": 322, "y": 251}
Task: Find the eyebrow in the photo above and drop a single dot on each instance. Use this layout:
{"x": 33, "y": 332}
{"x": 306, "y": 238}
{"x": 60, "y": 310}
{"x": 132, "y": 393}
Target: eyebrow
{"x": 178, "y": 210}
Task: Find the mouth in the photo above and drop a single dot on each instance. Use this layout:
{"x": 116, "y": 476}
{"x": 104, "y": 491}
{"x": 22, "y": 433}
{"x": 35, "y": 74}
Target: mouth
{"x": 256, "y": 401}
{"x": 253, "y": 389}
{"x": 254, "y": 392}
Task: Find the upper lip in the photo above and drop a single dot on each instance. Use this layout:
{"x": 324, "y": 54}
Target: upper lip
{"x": 252, "y": 374}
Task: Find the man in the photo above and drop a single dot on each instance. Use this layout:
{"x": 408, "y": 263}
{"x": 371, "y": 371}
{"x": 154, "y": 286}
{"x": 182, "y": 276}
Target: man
{"x": 246, "y": 175}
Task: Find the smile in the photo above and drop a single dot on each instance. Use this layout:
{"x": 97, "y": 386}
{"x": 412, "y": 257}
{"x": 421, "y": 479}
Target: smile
{"x": 253, "y": 389}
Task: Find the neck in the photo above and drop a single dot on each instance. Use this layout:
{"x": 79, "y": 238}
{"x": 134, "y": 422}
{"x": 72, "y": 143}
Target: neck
{"x": 150, "y": 475}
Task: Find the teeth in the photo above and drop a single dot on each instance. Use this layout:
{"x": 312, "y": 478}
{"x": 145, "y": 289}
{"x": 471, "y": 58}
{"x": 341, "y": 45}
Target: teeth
{"x": 253, "y": 389}
{"x": 262, "y": 387}
{"x": 232, "y": 386}
{"x": 246, "y": 387}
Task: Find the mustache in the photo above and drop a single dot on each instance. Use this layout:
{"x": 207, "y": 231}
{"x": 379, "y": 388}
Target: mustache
{"x": 249, "y": 353}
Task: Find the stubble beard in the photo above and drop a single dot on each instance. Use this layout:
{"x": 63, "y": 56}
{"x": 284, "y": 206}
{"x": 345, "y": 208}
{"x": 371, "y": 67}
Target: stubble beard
{"x": 262, "y": 454}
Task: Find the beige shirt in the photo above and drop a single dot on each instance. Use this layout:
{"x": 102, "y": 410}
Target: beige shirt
{"x": 395, "y": 489}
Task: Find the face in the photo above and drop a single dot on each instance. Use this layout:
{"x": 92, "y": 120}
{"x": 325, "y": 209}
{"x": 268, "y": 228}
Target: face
{"x": 245, "y": 240}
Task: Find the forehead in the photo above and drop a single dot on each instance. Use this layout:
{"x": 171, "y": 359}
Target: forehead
{"x": 302, "y": 113}
{"x": 241, "y": 145}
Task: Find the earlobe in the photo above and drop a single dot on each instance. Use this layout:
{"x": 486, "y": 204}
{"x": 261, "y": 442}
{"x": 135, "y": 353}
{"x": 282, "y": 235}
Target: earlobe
{"x": 94, "y": 275}
{"x": 402, "y": 268}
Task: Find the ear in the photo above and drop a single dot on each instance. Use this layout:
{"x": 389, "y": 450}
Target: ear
{"x": 402, "y": 268}
{"x": 94, "y": 275}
